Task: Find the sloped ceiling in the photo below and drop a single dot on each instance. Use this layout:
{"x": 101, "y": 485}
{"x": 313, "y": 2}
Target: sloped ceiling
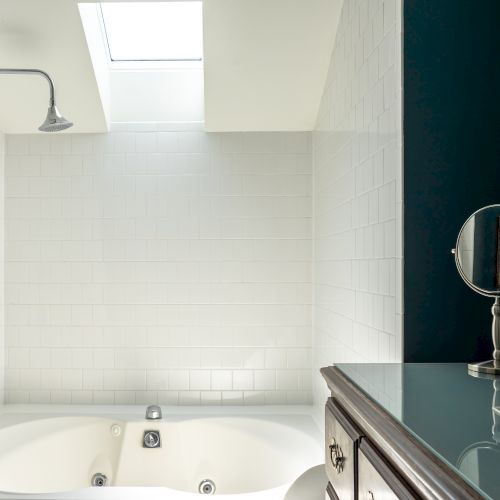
{"x": 265, "y": 64}
{"x": 46, "y": 34}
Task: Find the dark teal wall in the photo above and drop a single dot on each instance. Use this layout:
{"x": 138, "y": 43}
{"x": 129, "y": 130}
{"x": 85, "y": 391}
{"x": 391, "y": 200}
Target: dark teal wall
{"x": 451, "y": 168}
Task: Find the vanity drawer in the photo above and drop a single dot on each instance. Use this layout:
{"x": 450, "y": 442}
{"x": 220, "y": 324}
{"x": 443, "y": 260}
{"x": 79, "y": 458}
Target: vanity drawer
{"x": 340, "y": 450}
{"x": 377, "y": 480}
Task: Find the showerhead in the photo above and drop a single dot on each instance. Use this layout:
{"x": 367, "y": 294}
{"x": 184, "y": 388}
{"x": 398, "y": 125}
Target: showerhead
{"x": 54, "y": 121}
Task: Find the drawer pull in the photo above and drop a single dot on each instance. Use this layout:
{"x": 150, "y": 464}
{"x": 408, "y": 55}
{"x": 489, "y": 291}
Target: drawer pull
{"x": 371, "y": 496}
{"x": 336, "y": 456}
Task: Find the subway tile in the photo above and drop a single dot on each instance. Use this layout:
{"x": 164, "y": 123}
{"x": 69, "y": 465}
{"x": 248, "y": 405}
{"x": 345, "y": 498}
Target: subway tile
{"x": 358, "y": 320}
{"x": 81, "y": 397}
{"x": 232, "y": 397}
{"x": 210, "y": 398}
{"x": 189, "y": 398}
{"x": 17, "y": 144}
{"x": 221, "y": 380}
{"x": 265, "y": 380}
{"x": 286, "y": 379}
{"x": 71, "y": 379}
{"x": 243, "y": 380}
{"x": 199, "y": 380}
{"x": 125, "y": 285}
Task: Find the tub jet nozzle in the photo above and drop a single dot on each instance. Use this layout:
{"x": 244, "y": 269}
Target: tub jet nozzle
{"x": 207, "y": 487}
{"x": 99, "y": 479}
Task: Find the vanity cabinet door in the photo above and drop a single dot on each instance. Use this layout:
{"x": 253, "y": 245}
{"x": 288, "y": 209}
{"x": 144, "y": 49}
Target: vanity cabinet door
{"x": 340, "y": 451}
{"x": 376, "y": 478}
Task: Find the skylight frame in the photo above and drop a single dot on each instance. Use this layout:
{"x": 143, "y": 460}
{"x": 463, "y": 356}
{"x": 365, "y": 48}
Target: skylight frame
{"x": 150, "y": 63}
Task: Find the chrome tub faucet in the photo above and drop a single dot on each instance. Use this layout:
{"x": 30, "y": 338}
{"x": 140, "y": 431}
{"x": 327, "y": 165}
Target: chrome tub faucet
{"x": 153, "y": 412}
{"x": 152, "y": 438}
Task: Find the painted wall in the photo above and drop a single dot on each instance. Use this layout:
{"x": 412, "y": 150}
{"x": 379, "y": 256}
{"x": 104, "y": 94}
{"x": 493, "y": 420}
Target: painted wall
{"x": 95, "y": 38}
{"x": 269, "y": 78}
{"x": 452, "y": 168}
{"x": 357, "y": 192}
{"x": 2, "y": 274}
{"x": 158, "y": 265}
{"x": 174, "y": 95}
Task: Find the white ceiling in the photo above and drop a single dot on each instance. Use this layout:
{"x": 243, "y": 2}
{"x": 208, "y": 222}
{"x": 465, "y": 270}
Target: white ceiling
{"x": 265, "y": 64}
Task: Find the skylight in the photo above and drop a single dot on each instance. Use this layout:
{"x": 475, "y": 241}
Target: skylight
{"x": 153, "y": 31}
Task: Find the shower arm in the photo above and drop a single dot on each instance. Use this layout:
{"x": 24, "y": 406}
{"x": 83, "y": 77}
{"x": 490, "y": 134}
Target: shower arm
{"x": 23, "y": 71}
{"x": 54, "y": 121}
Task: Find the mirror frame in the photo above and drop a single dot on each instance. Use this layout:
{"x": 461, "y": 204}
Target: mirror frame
{"x": 457, "y": 262}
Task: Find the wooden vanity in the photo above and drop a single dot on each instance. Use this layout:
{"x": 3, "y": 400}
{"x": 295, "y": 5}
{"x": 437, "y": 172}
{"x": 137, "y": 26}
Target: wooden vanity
{"x": 372, "y": 452}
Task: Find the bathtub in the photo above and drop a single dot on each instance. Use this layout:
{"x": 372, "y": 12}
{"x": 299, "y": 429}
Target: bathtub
{"x": 258, "y": 453}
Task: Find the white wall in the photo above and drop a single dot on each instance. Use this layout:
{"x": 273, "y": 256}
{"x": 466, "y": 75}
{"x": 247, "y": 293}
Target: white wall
{"x": 2, "y": 288}
{"x": 357, "y": 171}
{"x": 265, "y": 62}
{"x": 153, "y": 265}
{"x": 92, "y": 27}
{"x": 173, "y": 95}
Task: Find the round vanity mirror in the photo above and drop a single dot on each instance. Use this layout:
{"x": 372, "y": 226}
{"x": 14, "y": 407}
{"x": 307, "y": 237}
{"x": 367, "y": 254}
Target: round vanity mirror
{"x": 477, "y": 255}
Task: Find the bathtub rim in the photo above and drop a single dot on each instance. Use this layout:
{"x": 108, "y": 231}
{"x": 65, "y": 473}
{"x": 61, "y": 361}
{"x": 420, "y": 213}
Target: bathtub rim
{"x": 137, "y": 412}
{"x": 140, "y": 409}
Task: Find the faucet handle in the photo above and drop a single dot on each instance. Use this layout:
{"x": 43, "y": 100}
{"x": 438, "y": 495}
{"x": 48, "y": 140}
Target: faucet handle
{"x": 153, "y": 412}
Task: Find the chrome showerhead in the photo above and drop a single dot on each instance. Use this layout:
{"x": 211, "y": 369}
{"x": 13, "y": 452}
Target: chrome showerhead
{"x": 54, "y": 121}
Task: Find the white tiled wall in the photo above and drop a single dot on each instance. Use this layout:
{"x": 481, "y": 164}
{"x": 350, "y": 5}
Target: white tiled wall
{"x": 2, "y": 316}
{"x": 357, "y": 192}
{"x": 150, "y": 265}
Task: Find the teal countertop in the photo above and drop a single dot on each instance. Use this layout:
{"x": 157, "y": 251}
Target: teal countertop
{"x": 455, "y": 414}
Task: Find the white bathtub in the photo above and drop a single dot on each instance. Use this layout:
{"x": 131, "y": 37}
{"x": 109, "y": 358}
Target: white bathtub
{"x": 258, "y": 453}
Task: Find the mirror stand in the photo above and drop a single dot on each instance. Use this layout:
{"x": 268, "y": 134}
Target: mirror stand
{"x": 492, "y": 366}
